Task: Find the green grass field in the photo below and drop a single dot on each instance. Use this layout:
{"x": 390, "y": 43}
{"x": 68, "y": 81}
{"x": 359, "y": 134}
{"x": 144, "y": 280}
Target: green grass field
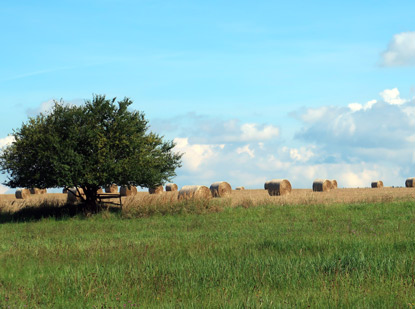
{"x": 357, "y": 255}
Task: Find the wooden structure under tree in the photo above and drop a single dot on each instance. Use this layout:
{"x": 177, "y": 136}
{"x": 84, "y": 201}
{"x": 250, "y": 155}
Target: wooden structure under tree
{"x": 106, "y": 196}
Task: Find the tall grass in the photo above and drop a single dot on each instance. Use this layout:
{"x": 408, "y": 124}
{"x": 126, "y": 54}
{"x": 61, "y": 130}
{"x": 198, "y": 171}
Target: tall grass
{"x": 343, "y": 255}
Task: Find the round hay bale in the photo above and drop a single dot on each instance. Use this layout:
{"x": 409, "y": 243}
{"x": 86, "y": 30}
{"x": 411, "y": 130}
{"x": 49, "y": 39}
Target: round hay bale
{"x": 194, "y": 192}
{"x": 37, "y": 191}
{"x": 111, "y": 189}
{"x": 220, "y": 189}
{"x": 240, "y": 188}
{"x": 266, "y": 184}
{"x": 277, "y": 187}
{"x": 322, "y": 185}
{"x": 410, "y": 183}
{"x": 333, "y": 184}
{"x": 34, "y": 191}
{"x": 128, "y": 190}
{"x": 171, "y": 187}
{"x": 22, "y": 193}
{"x": 377, "y": 184}
{"x": 73, "y": 195}
{"x": 156, "y": 190}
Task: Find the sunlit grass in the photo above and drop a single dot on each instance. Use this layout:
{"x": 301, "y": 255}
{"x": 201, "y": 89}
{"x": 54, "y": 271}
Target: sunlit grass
{"x": 275, "y": 256}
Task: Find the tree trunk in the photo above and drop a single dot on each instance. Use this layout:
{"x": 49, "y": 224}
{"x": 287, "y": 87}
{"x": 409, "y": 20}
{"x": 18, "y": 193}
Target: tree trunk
{"x": 91, "y": 204}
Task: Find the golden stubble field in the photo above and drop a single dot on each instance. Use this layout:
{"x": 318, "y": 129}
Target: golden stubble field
{"x": 247, "y": 198}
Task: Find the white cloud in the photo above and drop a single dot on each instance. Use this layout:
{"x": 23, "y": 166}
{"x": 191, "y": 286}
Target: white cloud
{"x": 233, "y": 131}
{"x": 382, "y": 124}
{"x": 401, "y": 50}
{"x": 314, "y": 114}
{"x": 302, "y": 154}
{"x": 6, "y": 141}
{"x": 355, "y": 107}
{"x": 370, "y": 103}
{"x": 251, "y": 132}
{"x": 195, "y": 154}
{"x": 209, "y": 130}
{"x": 245, "y": 149}
{"x": 363, "y": 141}
{"x": 392, "y": 96}
{"x": 359, "y": 179}
{"x": 205, "y": 164}
{"x": 354, "y": 144}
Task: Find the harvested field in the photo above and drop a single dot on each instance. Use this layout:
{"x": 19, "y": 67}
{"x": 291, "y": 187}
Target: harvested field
{"x": 339, "y": 196}
{"x": 244, "y": 198}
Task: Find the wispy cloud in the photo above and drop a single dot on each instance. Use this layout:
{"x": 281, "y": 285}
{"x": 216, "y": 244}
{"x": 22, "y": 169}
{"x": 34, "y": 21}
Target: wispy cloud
{"x": 37, "y": 73}
{"x": 97, "y": 61}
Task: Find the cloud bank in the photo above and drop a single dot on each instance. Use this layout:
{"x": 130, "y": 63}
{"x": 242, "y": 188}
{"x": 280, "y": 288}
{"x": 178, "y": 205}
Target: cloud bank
{"x": 355, "y": 144}
{"x": 375, "y": 139}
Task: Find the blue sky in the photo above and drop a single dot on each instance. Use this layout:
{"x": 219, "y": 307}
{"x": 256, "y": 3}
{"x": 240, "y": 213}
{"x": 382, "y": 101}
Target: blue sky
{"x": 250, "y": 91}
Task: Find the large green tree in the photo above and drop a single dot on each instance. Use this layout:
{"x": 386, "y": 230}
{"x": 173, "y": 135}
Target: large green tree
{"x": 96, "y": 144}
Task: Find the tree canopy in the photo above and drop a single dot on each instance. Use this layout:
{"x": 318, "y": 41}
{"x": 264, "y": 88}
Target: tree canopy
{"x": 96, "y": 144}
